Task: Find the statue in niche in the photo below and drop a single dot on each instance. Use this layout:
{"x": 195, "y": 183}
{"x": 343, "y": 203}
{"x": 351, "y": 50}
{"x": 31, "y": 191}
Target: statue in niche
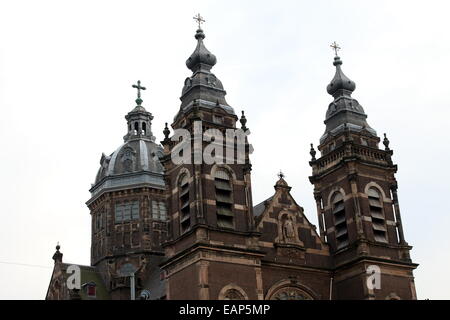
{"x": 288, "y": 229}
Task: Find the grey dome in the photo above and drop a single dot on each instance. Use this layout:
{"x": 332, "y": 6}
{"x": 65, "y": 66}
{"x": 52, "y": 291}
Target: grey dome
{"x": 131, "y": 157}
{"x": 345, "y": 112}
{"x": 134, "y": 164}
{"x": 201, "y": 55}
{"x": 340, "y": 81}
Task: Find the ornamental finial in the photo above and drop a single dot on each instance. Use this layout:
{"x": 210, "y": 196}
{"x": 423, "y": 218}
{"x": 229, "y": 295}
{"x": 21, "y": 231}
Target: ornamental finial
{"x": 199, "y": 20}
{"x": 312, "y": 152}
{"x": 335, "y": 47}
{"x": 243, "y": 121}
{"x": 139, "y": 88}
{"x": 386, "y": 143}
{"x": 166, "y": 133}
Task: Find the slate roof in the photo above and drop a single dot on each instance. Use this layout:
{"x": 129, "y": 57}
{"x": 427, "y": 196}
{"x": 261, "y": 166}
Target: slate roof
{"x": 260, "y": 207}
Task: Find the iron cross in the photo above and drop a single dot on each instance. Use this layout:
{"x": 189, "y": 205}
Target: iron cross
{"x": 335, "y": 47}
{"x": 199, "y": 20}
{"x": 281, "y": 175}
{"x": 139, "y": 88}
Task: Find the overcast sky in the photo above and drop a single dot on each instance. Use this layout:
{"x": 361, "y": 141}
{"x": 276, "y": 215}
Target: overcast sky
{"x": 66, "y": 70}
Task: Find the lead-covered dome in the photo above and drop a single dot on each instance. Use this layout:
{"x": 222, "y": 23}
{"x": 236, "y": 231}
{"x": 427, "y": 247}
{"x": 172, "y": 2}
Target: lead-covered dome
{"x": 133, "y": 156}
{"x": 136, "y": 162}
{"x": 201, "y": 55}
{"x": 340, "y": 81}
{"x": 345, "y": 112}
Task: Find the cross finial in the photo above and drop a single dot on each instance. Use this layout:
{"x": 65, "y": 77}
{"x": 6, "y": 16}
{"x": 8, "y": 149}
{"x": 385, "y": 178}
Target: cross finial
{"x": 139, "y": 88}
{"x": 281, "y": 175}
{"x": 199, "y": 20}
{"x": 335, "y": 47}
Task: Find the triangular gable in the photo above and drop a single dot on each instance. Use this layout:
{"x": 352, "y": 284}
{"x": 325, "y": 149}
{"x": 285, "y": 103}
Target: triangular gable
{"x": 282, "y": 221}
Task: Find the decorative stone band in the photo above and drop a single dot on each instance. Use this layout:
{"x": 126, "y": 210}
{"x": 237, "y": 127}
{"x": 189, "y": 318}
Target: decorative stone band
{"x": 127, "y": 181}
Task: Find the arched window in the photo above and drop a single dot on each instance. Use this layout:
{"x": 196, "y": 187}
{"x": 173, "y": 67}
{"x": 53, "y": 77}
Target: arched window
{"x": 185, "y": 210}
{"x": 233, "y": 294}
{"x": 290, "y": 293}
{"x": 144, "y": 128}
{"x": 136, "y": 128}
{"x": 376, "y": 212}
{"x": 224, "y": 201}
{"x": 340, "y": 221}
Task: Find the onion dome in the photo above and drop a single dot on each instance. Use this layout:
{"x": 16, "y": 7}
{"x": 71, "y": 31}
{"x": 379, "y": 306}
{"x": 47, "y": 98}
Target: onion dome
{"x": 201, "y": 55}
{"x": 340, "y": 84}
{"x": 345, "y": 112}
{"x": 202, "y": 89}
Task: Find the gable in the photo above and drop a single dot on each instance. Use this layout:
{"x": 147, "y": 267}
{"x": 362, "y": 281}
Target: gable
{"x": 58, "y": 290}
{"x": 286, "y": 233}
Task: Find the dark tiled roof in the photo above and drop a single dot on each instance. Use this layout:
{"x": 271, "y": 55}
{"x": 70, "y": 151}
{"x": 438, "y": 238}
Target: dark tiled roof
{"x": 260, "y": 207}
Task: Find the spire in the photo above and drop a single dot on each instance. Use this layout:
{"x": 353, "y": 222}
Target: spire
{"x": 201, "y": 57}
{"x": 202, "y": 86}
{"x": 344, "y": 113}
{"x": 139, "y": 120}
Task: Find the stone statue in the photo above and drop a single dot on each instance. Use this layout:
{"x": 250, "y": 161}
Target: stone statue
{"x": 288, "y": 229}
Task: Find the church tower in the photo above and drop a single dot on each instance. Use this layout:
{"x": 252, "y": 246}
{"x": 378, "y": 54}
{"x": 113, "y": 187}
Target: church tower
{"x": 128, "y": 208}
{"x": 356, "y": 195}
{"x": 212, "y": 242}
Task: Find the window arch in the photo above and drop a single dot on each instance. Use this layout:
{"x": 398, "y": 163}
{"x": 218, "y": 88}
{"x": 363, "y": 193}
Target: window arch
{"x": 224, "y": 198}
{"x": 185, "y": 210}
{"x": 340, "y": 220}
{"x": 377, "y": 215}
{"x": 290, "y": 293}
{"x": 232, "y": 292}
{"x": 290, "y": 290}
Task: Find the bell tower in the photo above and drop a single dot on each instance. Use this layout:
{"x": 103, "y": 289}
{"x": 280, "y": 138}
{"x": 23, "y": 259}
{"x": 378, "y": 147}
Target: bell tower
{"x": 212, "y": 230}
{"x": 357, "y": 203}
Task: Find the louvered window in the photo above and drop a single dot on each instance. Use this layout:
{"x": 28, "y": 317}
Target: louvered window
{"x": 185, "y": 211}
{"x": 224, "y": 201}
{"x": 340, "y": 221}
{"x": 126, "y": 211}
{"x": 376, "y": 212}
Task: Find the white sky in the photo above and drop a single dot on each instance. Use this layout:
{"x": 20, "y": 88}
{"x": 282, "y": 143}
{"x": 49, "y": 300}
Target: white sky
{"x": 66, "y": 70}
